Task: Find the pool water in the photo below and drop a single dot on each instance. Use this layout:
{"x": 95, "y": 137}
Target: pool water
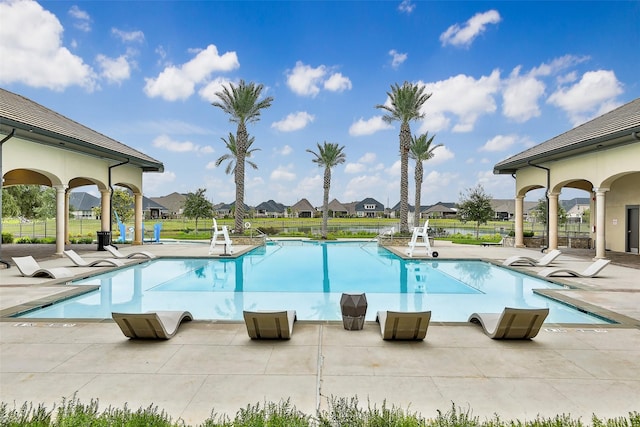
{"x": 310, "y": 277}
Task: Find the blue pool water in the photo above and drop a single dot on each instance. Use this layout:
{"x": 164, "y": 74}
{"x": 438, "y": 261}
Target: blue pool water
{"x": 310, "y": 278}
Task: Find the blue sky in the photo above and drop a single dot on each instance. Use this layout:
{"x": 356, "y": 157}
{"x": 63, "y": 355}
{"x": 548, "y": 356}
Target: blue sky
{"x": 504, "y": 76}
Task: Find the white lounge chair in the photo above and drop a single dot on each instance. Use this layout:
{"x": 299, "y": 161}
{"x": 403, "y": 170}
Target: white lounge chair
{"x": 525, "y": 260}
{"x": 221, "y": 234}
{"x": 29, "y": 267}
{"x": 590, "y": 271}
{"x": 269, "y": 324}
{"x": 420, "y": 239}
{"x": 512, "y": 323}
{"x": 119, "y": 255}
{"x": 81, "y": 262}
{"x": 403, "y": 325}
{"x": 152, "y": 325}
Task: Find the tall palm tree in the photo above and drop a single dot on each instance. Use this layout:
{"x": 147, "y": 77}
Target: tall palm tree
{"x": 404, "y": 106}
{"x": 327, "y": 156}
{"x": 420, "y": 150}
{"x": 241, "y": 102}
{"x": 232, "y": 155}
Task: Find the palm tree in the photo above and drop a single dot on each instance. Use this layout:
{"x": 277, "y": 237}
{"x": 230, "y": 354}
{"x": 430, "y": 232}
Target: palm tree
{"x": 232, "y": 155}
{"x": 420, "y": 150}
{"x": 405, "y": 104}
{"x": 327, "y": 156}
{"x": 242, "y": 105}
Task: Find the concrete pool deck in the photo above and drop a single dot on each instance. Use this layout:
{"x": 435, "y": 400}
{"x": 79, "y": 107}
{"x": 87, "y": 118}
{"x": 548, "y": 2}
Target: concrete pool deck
{"x": 214, "y": 366}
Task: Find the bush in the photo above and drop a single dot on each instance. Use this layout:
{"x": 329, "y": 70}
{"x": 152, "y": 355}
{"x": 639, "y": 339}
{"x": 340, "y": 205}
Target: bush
{"x": 524, "y": 233}
{"x": 7, "y": 238}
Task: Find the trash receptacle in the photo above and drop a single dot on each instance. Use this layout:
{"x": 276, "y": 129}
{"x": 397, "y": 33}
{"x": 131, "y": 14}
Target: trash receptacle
{"x": 354, "y": 309}
{"x": 104, "y": 239}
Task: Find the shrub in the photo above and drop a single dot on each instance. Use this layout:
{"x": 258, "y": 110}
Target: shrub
{"x": 7, "y": 238}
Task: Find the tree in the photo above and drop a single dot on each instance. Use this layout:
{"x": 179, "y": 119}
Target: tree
{"x": 241, "y": 103}
{"x": 10, "y": 207}
{"x": 404, "y": 106}
{"x": 540, "y": 212}
{"x": 328, "y": 156}
{"x": 122, "y": 202}
{"x": 232, "y": 155}
{"x": 197, "y": 206}
{"x": 420, "y": 151}
{"x": 475, "y": 205}
{"x": 26, "y": 197}
{"x": 47, "y": 204}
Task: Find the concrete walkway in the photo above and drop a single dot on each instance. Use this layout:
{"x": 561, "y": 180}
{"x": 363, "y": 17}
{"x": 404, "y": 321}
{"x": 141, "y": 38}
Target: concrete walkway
{"x": 213, "y": 365}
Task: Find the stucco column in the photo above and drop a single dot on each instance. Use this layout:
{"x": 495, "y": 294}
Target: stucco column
{"x": 137, "y": 240}
{"x": 600, "y": 222}
{"x": 67, "y": 196}
{"x": 519, "y": 222}
{"x": 553, "y": 220}
{"x": 61, "y": 214}
{"x": 105, "y": 210}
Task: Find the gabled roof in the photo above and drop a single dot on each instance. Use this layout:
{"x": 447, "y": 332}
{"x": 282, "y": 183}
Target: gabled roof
{"x": 369, "y": 201}
{"x": 271, "y": 206}
{"x": 34, "y": 122}
{"x": 617, "y": 127}
{"x": 173, "y": 202}
{"x": 83, "y": 201}
{"x": 303, "y": 205}
{"x": 568, "y": 204}
{"x": 336, "y": 206}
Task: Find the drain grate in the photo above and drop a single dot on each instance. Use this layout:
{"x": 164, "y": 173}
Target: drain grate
{"x": 43, "y": 325}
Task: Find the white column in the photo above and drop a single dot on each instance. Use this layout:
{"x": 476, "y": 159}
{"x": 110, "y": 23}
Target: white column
{"x": 600, "y": 222}
{"x": 553, "y": 220}
{"x": 61, "y": 214}
{"x": 138, "y": 219}
{"x": 105, "y": 210}
{"x": 519, "y": 222}
{"x": 67, "y": 196}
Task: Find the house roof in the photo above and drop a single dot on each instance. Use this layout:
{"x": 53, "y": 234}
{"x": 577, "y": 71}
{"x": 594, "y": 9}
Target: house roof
{"x": 37, "y": 123}
{"x": 336, "y": 206}
{"x": 174, "y": 202}
{"x": 617, "y": 127}
{"x": 271, "y": 206}
{"x": 369, "y": 201}
{"x": 303, "y": 205}
{"x": 83, "y": 201}
{"x": 568, "y": 204}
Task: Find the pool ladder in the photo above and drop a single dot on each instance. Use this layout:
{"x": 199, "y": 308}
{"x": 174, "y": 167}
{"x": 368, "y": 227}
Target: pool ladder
{"x": 267, "y": 238}
{"x": 387, "y": 232}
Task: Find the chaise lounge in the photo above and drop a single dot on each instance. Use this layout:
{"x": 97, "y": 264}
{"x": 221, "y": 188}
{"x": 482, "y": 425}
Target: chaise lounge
{"x": 512, "y": 323}
{"x": 119, "y": 255}
{"x": 395, "y": 325}
{"x": 29, "y": 267}
{"x": 81, "y": 262}
{"x": 525, "y": 260}
{"x": 590, "y": 271}
{"x": 270, "y": 324}
{"x": 152, "y": 325}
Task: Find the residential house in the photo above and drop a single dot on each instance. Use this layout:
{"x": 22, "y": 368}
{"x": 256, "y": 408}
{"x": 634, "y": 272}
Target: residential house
{"x": 440, "y": 210}
{"x": 575, "y": 208}
{"x": 337, "y": 209}
{"x": 505, "y": 209}
{"x": 271, "y": 209}
{"x": 174, "y": 203}
{"x": 82, "y": 204}
{"x": 369, "y": 208}
{"x": 303, "y": 209}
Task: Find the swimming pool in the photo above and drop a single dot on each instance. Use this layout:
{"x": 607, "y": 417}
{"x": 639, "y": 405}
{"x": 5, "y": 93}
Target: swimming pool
{"x": 310, "y": 278}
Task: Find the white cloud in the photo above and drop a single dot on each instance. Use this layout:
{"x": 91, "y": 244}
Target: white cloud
{"x": 178, "y": 83}
{"x": 166, "y": 143}
{"x": 376, "y": 186}
{"x": 284, "y": 151}
{"x": 361, "y": 165}
{"x": 49, "y": 64}
{"x": 305, "y": 80}
{"x": 520, "y": 96}
{"x": 464, "y": 96}
{"x": 368, "y": 127}
{"x": 337, "y": 83}
{"x": 354, "y": 168}
{"x": 440, "y": 155}
{"x": 114, "y": 70}
{"x": 499, "y": 143}
{"x": 128, "y": 36}
{"x": 368, "y": 158}
{"x": 283, "y": 173}
{"x": 157, "y": 182}
{"x": 294, "y": 121}
{"x": 208, "y": 91}
{"x": 592, "y": 96}
{"x": 210, "y": 165}
{"x": 397, "y": 58}
{"x": 83, "y": 20}
{"x": 457, "y": 35}
{"x": 406, "y": 6}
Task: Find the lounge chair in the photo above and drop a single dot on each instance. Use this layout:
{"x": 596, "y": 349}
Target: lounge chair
{"x": 512, "y": 323}
{"x": 152, "y": 325}
{"x": 270, "y": 324}
{"x": 403, "y": 325}
{"x": 119, "y": 255}
{"x": 542, "y": 262}
{"x": 590, "y": 271}
{"x": 29, "y": 267}
{"x": 81, "y": 262}
{"x": 223, "y": 234}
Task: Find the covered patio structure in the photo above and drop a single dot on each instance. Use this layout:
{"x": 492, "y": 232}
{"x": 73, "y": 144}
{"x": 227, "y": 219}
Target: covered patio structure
{"x": 602, "y": 157}
{"x": 42, "y": 147}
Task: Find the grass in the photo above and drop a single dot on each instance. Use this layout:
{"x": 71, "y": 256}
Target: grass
{"x": 341, "y": 412}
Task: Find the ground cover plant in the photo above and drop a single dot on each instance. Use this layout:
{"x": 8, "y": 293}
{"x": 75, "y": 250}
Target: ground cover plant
{"x": 341, "y": 412}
